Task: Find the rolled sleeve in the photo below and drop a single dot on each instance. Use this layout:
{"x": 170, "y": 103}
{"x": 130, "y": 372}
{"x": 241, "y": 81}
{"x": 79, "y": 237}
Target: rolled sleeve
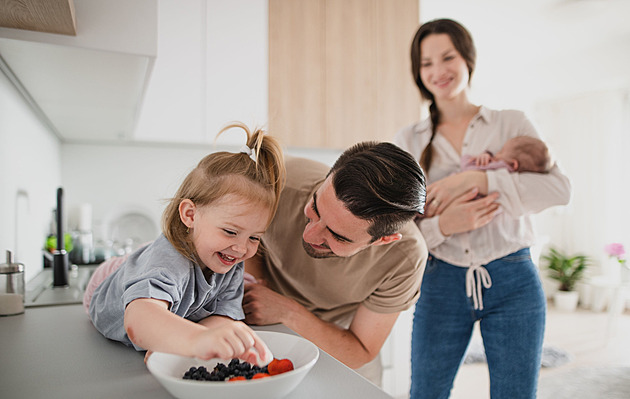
{"x": 157, "y": 287}
{"x": 528, "y": 193}
{"x": 430, "y": 228}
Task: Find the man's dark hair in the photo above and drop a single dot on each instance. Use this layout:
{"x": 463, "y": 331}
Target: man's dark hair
{"x": 381, "y": 183}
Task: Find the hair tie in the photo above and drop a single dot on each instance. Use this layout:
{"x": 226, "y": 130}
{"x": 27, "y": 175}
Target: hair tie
{"x": 246, "y": 150}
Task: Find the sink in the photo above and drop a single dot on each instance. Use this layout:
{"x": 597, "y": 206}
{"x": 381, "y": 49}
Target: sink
{"x": 40, "y": 291}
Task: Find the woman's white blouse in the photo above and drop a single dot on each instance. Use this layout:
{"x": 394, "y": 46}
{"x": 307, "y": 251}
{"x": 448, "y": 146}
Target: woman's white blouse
{"x": 521, "y": 194}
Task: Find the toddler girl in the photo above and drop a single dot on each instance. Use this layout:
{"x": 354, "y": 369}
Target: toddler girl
{"x": 182, "y": 293}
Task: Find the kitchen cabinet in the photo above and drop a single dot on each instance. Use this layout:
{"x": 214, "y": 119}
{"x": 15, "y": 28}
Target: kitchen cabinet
{"x": 88, "y": 86}
{"x": 339, "y": 70}
{"x": 211, "y": 70}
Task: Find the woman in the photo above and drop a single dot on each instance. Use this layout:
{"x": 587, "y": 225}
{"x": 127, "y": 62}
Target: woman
{"x": 477, "y": 227}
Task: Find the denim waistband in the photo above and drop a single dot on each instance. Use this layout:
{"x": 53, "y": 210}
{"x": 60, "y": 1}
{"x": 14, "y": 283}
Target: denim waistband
{"x": 477, "y": 277}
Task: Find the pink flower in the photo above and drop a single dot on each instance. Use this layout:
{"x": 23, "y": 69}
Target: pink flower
{"x": 615, "y": 249}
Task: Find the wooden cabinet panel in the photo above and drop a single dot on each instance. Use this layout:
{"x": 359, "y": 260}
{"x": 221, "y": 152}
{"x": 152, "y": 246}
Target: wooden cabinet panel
{"x": 339, "y": 70}
{"x": 50, "y": 16}
{"x": 296, "y": 72}
{"x": 351, "y": 69}
{"x": 398, "y": 100}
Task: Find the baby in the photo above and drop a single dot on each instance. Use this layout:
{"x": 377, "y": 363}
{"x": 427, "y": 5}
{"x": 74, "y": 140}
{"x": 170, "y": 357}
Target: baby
{"x": 519, "y": 154}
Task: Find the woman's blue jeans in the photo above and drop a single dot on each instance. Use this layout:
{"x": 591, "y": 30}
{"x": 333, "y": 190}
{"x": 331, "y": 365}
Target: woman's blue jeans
{"x": 512, "y": 325}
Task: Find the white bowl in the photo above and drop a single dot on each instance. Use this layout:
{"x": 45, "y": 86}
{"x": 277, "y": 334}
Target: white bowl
{"x": 169, "y": 370}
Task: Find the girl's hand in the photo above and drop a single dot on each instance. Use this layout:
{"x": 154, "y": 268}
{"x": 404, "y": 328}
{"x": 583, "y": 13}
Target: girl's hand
{"x": 466, "y": 213}
{"x": 443, "y": 192}
{"x": 232, "y": 340}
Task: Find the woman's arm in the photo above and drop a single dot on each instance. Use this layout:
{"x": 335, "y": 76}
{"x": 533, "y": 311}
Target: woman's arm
{"x": 463, "y": 214}
{"x": 528, "y": 193}
{"x": 521, "y": 193}
{"x": 442, "y": 193}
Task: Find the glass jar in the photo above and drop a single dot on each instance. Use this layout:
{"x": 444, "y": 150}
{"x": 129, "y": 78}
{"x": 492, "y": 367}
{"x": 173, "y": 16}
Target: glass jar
{"x": 11, "y": 287}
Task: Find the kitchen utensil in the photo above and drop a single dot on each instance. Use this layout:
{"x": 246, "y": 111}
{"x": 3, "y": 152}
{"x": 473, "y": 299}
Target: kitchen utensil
{"x": 169, "y": 370}
{"x": 11, "y": 287}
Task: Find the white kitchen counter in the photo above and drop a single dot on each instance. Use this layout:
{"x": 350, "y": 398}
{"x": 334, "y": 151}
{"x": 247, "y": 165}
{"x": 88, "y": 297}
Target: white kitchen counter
{"x": 55, "y": 352}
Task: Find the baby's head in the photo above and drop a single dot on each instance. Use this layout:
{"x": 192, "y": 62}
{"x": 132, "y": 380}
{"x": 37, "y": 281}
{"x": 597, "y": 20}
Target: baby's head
{"x": 526, "y": 154}
{"x": 226, "y": 202}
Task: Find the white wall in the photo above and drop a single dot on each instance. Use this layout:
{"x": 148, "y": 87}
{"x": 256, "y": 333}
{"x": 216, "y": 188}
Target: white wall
{"x": 29, "y": 176}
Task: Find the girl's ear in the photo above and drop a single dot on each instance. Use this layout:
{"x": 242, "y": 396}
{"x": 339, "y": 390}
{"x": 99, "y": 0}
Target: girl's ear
{"x": 187, "y": 211}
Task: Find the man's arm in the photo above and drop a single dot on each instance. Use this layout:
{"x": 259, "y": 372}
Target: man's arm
{"x": 354, "y": 347}
{"x": 254, "y": 266}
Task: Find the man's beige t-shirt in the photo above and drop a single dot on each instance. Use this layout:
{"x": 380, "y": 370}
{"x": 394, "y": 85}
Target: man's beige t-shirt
{"x": 384, "y": 278}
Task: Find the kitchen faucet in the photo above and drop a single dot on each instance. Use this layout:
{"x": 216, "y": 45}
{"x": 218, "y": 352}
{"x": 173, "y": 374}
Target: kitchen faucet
{"x": 60, "y": 256}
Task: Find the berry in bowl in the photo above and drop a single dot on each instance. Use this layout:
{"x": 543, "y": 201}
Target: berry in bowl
{"x": 191, "y": 378}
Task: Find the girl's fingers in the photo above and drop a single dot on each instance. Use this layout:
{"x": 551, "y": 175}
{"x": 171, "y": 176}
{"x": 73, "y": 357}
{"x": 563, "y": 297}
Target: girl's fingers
{"x": 264, "y": 355}
{"x": 254, "y": 350}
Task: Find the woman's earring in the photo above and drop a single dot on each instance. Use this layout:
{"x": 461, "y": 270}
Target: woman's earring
{"x": 187, "y": 230}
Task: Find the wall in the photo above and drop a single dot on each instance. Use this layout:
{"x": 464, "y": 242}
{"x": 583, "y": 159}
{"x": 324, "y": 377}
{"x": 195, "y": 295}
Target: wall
{"x": 29, "y": 176}
{"x": 590, "y": 135}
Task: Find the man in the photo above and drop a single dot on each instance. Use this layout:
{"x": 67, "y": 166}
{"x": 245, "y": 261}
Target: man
{"x": 341, "y": 258}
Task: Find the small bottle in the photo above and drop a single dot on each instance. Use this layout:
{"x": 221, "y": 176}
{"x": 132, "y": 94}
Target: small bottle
{"x": 11, "y": 287}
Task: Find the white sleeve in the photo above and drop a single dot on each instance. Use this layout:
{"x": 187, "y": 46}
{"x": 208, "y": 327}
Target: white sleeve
{"x": 527, "y": 193}
{"x": 430, "y": 229}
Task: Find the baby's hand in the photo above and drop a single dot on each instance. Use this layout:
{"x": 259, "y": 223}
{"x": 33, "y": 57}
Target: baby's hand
{"x": 232, "y": 340}
{"x": 483, "y": 159}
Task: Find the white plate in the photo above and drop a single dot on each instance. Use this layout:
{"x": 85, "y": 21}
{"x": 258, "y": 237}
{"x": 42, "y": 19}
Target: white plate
{"x": 131, "y": 224}
{"x": 169, "y": 370}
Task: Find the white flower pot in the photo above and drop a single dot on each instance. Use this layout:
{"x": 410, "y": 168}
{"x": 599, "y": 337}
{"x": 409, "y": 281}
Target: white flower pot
{"x": 566, "y": 301}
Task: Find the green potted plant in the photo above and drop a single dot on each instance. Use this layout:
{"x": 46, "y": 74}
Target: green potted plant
{"x": 568, "y": 270}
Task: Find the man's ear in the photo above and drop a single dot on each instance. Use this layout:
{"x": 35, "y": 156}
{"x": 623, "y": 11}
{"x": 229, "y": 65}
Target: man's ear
{"x": 388, "y": 239}
{"x": 187, "y": 210}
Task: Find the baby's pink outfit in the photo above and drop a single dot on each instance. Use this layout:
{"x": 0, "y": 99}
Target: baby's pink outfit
{"x": 468, "y": 163}
{"x": 100, "y": 274}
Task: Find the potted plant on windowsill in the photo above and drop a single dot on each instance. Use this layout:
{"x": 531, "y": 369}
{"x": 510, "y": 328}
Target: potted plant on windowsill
{"x": 568, "y": 270}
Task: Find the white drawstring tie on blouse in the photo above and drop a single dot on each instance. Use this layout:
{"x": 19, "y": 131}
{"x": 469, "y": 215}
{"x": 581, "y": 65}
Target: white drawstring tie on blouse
{"x": 476, "y": 276}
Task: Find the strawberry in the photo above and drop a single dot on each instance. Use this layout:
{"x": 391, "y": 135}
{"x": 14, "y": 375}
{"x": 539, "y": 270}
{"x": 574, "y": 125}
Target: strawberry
{"x": 239, "y": 378}
{"x": 279, "y": 366}
{"x": 260, "y": 375}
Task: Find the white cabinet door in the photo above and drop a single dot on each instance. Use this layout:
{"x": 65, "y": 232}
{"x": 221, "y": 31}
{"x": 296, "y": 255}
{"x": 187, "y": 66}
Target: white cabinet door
{"x": 173, "y": 106}
{"x": 211, "y": 69}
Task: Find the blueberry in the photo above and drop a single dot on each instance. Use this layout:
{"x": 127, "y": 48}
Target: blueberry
{"x": 245, "y": 366}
